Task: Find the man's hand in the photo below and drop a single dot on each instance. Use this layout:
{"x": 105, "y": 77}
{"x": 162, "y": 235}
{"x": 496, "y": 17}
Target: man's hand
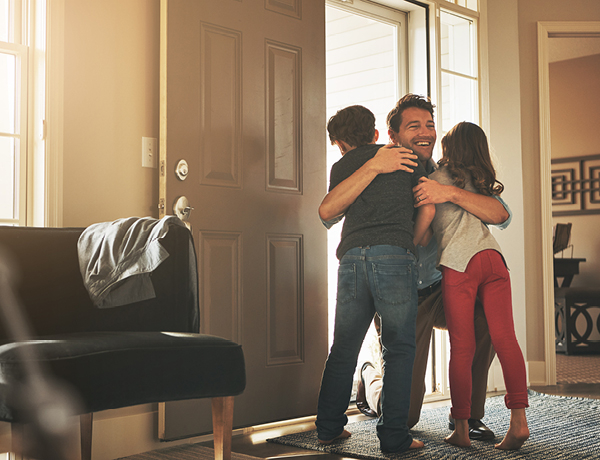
{"x": 388, "y": 159}
{"x": 486, "y": 208}
{"x": 392, "y": 158}
{"x": 431, "y": 192}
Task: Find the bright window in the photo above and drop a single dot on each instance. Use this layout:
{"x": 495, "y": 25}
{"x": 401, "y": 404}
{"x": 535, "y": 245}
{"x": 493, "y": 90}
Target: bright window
{"x": 13, "y": 114}
{"x": 471, "y": 4}
{"x": 22, "y": 99}
{"x": 459, "y": 80}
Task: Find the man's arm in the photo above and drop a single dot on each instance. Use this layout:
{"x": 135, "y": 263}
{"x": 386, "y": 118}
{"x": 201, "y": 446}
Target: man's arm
{"x": 486, "y": 208}
{"x": 387, "y": 159}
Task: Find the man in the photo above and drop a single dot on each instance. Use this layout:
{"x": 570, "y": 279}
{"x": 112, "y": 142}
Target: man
{"x": 412, "y": 128}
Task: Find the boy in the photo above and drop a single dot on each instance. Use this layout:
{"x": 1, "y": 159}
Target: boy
{"x": 376, "y": 274}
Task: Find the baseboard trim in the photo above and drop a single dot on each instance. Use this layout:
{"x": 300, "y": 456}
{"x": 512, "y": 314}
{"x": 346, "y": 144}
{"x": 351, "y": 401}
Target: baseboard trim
{"x": 121, "y": 436}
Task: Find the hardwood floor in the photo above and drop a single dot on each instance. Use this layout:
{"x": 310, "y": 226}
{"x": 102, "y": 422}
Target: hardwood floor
{"x": 579, "y": 390}
{"x": 254, "y": 442}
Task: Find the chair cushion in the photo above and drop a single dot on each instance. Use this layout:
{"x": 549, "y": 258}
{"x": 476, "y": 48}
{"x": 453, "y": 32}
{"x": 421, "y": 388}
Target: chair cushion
{"x": 117, "y": 369}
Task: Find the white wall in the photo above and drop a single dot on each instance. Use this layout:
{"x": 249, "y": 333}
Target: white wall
{"x": 111, "y": 101}
{"x": 530, "y": 12}
{"x": 505, "y": 140}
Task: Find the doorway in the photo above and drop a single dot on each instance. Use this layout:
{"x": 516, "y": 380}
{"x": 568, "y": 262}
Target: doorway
{"x": 366, "y": 58}
{"x": 548, "y": 31}
{"x": 574, "y": 66}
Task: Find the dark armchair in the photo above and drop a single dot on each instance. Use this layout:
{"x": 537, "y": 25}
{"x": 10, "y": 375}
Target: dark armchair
{"x": 145, "y": 352}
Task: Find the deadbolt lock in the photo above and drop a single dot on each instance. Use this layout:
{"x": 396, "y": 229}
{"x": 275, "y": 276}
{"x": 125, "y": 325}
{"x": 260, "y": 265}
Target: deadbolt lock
{"x": 182, "y": 170}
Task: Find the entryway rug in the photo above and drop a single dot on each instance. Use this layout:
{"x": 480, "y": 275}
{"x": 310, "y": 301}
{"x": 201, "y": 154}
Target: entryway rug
{"x": 561, "y": 428}
{"x": 185, "y": 452}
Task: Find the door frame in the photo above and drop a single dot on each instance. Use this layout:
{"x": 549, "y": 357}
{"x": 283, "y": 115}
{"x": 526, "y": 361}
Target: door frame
{"x": 547, "y": 30}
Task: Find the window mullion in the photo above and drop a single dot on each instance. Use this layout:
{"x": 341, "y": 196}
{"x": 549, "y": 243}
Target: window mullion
{"x": 459, "y": 74}
{"x": 461, "y": 10}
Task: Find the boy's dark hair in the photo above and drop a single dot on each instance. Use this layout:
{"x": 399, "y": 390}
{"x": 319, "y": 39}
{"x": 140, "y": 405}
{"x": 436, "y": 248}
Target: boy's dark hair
{"x": 394, "y": 118}
{"x": 355, "y": 125}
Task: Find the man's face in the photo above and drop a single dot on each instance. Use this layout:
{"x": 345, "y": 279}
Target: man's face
{"x": 416, "y": 132}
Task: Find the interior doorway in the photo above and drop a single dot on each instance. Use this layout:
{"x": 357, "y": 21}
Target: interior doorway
{"x": 548, "y": 31}
{"x": 574, "y": 65}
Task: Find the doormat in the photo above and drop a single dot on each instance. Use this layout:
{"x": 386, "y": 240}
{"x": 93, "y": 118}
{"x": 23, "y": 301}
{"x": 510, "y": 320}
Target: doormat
{"x": 560, "y": 427}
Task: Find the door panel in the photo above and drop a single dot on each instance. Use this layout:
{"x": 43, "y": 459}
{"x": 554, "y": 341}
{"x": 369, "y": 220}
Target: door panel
{"x": 243, "y": 102}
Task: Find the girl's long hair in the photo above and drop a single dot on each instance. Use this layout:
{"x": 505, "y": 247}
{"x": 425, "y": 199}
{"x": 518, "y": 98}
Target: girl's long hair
{"x": 465, "y": 152}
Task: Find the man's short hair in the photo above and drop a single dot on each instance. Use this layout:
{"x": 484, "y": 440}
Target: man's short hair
{"x": 394, "y": 118}
{"x": 354, "y": 125}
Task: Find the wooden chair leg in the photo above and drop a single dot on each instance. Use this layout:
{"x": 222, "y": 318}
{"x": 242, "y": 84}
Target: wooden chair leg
{"x": 85, "y": 426}
{"x": 16, "y": 439}
{"x": 222, "y": 413}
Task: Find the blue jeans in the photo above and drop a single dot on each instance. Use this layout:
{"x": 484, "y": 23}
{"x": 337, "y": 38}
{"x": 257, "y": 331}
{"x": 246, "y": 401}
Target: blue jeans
{"x": 373, "y": 279}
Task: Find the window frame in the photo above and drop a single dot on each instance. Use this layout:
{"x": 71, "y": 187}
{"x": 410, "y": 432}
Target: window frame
{"x": 20, "y": 134}
{"x": 34, "y": 171}
{"x": 478, "y": 42}
{"x": 438, "y": 374}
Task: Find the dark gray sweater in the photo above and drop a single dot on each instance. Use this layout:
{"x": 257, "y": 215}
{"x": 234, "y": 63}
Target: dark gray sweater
{"x": 383, "y": 212}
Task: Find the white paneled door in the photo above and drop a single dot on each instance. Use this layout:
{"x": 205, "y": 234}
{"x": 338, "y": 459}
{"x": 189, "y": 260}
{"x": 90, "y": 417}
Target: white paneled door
{"x": 243, "y": 103}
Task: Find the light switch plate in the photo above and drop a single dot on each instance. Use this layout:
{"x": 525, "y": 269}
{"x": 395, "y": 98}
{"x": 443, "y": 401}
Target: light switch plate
{"x": 149, "y": 152}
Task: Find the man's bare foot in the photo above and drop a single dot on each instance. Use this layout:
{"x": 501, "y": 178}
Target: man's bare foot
{"x": 460, "y": 435}
{"x": 343, "y": 435}
{"x": 518, "y": 431}
{"x": 416, "y": 444}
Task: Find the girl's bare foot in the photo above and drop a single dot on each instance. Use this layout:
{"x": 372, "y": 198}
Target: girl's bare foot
{"x": 416, "y": 444}
{"x": 518, "y": 431}
{"x": 344, "y": 434}
{"x": 512, "y": 441}
{"x": 460, "y": 436}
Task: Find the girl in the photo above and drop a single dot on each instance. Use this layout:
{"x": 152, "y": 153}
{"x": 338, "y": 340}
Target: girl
{"x": 472, "y": 265}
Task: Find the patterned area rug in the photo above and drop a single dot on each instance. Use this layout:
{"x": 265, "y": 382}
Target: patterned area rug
{"x": 561, "y": 428}
{"x": 577, "y": 368}
{"x": 185, "y": 452}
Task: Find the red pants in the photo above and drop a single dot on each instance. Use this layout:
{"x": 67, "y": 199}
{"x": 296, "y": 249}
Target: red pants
{"x": 486, "y": 276}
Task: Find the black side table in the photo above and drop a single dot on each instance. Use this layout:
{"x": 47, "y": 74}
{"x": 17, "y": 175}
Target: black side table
{"x": 569, "y": 305}
{"x": 566, "y": 269}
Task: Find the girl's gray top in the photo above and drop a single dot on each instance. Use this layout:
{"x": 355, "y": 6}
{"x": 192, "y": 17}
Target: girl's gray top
{"x": 459, "y": 234}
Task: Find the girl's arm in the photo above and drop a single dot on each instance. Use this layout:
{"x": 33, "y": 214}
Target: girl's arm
{"x": 422, "y": 230}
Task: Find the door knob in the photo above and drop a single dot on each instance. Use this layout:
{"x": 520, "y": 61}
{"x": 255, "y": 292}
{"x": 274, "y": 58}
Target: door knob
{"x": 182, "y": 209}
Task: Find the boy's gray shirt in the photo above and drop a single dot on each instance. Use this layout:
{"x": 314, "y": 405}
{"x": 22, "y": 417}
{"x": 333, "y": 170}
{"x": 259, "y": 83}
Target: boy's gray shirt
{"x": 383, "y": 212}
